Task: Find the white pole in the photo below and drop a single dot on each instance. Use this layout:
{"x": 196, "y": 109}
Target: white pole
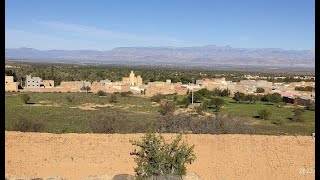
{"x": 192, "y": 96}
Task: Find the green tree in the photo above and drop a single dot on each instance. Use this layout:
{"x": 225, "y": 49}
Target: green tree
{"x": 157, "y": 157}
{"x": 225, "y": 93}
{"x": 185, "y": 102}
{"x": 25, "y": 98}
{"x": 239, "y": 97}
{"x": 217, "y": 103}
{"x": 260, "y": 90}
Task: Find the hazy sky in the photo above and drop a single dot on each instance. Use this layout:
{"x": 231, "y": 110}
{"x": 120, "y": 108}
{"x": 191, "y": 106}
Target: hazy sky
{"x": 105, "y": 24}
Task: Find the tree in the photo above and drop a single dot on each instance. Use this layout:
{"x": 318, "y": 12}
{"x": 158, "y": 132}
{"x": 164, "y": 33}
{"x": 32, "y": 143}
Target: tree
{"x": 225, "y": 93}
{"x": 216, "y": 92}
{"x": 113, "y": 98}
{"x": 86, "y": 88}
{"x": 185, "y": 102}
{"x": 157, "y": 157}
{"x": 25, "y": 98}
{"x": 217, "y": 103}
{"x": 167, "y": 107}
{"x": 264, "y": 114}
{"x": 157, "y": 98}
{"x": 238, "y": 97}
{"x": 298, "y": 113}
{"x": 273, "y": 98}
{"x": 260, "y": 90}
{"x": 101, "y": 93}
{"x": 311, "y": 106}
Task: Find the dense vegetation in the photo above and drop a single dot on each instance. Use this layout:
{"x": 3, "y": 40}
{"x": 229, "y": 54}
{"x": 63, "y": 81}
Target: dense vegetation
{"x": 68, "y": 72}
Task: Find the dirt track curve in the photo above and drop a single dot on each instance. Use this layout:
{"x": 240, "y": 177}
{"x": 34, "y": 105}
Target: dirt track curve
{"x": 224, "y": 157}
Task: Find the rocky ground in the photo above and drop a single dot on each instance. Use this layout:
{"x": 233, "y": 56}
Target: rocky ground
{"x": 79, "y": 156}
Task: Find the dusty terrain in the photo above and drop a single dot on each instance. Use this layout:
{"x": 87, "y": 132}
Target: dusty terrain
{"x": 75, "y": 156}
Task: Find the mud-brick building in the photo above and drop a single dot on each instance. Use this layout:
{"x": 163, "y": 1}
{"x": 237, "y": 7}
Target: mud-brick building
{"x": 10, "y": 85}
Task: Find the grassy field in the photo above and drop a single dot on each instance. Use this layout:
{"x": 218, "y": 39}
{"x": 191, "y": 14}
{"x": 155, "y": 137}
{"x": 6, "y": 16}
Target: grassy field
{"x": 64, "y": 113}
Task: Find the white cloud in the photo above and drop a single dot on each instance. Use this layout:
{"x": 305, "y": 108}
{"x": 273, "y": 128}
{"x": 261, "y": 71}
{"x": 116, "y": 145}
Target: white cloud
{"x": 94, "y": 33}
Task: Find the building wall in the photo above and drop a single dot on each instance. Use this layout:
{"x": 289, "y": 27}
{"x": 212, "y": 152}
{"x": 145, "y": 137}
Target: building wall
{"x": 48, "y": 83}
{"x": 8, "y": 79}
{"x": 33, "y": 82}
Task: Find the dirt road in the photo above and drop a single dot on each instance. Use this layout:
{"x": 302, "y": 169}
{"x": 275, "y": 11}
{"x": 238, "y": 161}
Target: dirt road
{"x": 76, "y": 156}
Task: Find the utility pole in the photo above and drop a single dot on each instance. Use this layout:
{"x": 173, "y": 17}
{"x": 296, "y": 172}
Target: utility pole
{"x": 192, "y": 96}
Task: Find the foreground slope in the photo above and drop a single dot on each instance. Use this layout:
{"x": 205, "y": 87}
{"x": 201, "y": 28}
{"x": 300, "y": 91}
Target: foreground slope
{"x": 75, "y": 156}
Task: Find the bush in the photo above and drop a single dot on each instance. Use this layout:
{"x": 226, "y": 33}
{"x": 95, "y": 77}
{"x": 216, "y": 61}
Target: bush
{"x": 199, "y": 110}
{"x": 126, "y": 94}
{"x": 101, "y": 93}
{"x": 311, "y": 107}
{"x": 25, "y": 125}
{"x": 185, "y": 102}
{"x": 157, "y": 157}
{"x": 113, "y": 98}
{"x": 103, "y": 125}
{"x": 167, "y": 107}
{"x": 85, "y": 88}
{"x": 219, "y": 124}
{"x": 217, "y": 103}
{"x": 70, "y": 98}
{"x": 264, "y": 114}
{"x": 157, "y": 98}
{"x": 25, "y": 98}
{"x": 297, "y": 117}
{"x": 170, "y": 123}
{"x": 260, "y": 90}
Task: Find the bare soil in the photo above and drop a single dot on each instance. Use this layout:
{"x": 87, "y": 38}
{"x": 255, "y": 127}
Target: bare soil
{"x": 76, "y": 156}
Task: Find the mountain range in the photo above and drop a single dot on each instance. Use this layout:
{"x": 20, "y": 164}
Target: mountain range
{"x": 209, "y": 55}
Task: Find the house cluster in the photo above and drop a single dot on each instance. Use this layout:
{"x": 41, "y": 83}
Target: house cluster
{"x": 135, "y": 84}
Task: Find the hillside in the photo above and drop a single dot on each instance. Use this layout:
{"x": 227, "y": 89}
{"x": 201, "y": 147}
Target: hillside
{"x": 188, "y": 56}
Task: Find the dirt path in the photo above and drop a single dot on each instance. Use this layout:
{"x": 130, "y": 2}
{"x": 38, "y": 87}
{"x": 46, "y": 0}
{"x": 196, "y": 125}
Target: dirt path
{"x": 75, "y": 156}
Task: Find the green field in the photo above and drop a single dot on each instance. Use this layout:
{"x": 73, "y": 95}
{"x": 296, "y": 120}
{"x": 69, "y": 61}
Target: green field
{"x": 59, "y": 113}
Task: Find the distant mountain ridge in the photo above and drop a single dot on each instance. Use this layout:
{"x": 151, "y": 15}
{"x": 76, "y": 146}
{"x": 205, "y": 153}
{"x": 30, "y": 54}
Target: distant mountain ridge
{"x": 209, "y": 55}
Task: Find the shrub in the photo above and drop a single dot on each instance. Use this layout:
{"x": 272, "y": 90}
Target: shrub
{"x": 25, "y": 98}
{"x": 217, "y": 103}
{"x": 220, "y": 124}
{"x": 238, "y": 97}
{"x": 25, "y": 125}
{"x": 85, "y": 88}
{"x": 170, "y": 123}
{"x": 113, "y": 98}
{"x": 156, "y": 98}
{"x": 199, "y": 110}
{"x": 297, "y": 117}
{"x": 260, "y": 90}
{"x": 185, "y": 102}
{"x": 101, "y": 93}
{"x": 157, "y": 157}
{"x": 167, "y": 107}
{"x": 70, "y": 98}
{"x": 311, "y": 107}
{"x": 264, "y": 114}
{"x": 126, "y": 94}
{"x": 104, "y": 125}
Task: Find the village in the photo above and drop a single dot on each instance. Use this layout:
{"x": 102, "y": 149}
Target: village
{"x": 290, "y": 92}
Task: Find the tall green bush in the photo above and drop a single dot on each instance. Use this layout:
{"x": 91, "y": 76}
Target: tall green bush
{"x": 158, "y": 157}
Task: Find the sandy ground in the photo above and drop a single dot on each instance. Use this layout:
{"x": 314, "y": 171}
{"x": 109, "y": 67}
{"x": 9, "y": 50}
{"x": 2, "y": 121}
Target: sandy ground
{"x": 76, "y": 156}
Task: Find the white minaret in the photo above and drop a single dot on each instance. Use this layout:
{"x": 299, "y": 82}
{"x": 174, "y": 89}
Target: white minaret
{"x": 131, "y": 76}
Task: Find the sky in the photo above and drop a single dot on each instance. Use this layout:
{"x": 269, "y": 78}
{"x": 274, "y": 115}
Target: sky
{"x": 106, "y": 24}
